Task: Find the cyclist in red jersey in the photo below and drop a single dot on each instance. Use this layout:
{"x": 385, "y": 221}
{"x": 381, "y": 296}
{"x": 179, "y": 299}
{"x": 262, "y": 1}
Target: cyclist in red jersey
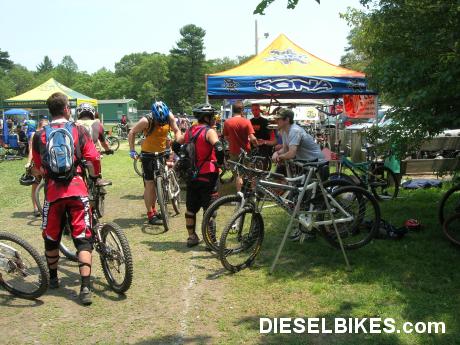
{"x": 71, "y": 197}
{"x": 209, "y": 153}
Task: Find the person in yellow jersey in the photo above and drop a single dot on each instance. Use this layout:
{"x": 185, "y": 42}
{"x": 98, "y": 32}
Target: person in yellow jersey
{"x": 155, "y": 127}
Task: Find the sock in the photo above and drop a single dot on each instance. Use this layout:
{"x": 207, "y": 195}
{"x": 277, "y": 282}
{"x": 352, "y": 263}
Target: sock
{"x": 85, "y": 281}
{"x": 53, "y": 273}
{"x": 150, "y": 214}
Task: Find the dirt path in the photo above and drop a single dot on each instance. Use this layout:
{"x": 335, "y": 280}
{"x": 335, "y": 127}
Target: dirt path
{"x": 171, "y": 291}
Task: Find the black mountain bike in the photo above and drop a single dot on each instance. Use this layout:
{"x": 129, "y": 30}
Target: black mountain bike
{"x": 22, "y": 271}
{"x": 109, "y": 240}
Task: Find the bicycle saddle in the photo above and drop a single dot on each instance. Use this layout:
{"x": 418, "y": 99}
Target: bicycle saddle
{"x": 315, "y": 163}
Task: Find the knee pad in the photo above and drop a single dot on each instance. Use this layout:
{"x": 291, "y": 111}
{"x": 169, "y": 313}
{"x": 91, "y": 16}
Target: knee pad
{"x": 83, "y": 244}
{"x": 51, "y": 245}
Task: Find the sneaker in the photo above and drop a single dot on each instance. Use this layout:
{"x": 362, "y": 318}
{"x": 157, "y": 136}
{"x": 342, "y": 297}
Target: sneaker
{"x": 37, "y": 213}
{"x": 85, "y": 296}
{"x": 54, "y": 283}
{"x": 155, "y": 220}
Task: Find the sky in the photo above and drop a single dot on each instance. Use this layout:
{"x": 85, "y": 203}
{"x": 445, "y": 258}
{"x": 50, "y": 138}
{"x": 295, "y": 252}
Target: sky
{"x": 99, "y": 33}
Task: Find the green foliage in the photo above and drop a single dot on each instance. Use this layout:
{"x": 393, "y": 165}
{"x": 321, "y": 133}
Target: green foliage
{"x": 186, "y": 68}
{"x": 5, "y": 62}
{"x": 411, "y": 53}
{"x": 45, "y": 66}
{"x": 291, "y": 4}
{"x": 66, "y": 71}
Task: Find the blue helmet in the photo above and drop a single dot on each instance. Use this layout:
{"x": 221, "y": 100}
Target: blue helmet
{"x": 160, "y": 112}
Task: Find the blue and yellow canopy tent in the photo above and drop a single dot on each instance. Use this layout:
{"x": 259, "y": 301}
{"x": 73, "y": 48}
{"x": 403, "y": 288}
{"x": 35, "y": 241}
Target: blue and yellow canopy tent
{"x": 36, "y": 98}
{"x": 285, "y": 70}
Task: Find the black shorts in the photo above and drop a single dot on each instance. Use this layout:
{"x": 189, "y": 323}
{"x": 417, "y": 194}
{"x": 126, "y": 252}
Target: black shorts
{"x": 201, "y": 193}
{"x": 148, "y": 167}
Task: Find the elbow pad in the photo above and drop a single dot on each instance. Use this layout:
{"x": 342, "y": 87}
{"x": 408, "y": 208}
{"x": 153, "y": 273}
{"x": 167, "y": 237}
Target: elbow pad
{"x": 219, "y": 149}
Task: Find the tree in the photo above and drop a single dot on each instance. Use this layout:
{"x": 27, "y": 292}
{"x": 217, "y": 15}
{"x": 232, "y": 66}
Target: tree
{"x": 66, "y": 71}
{"x": 5, "y": 62}
{"x": 22, "y": 78}
{"x": 291, "y": 4}
{"x": 414, "y": 67}
{"x": 186, "y": 68}
{"x": 45, "y": 66}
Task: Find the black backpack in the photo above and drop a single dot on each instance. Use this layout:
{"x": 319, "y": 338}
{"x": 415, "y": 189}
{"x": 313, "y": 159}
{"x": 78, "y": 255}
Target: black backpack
{"x": 187, "y": 157}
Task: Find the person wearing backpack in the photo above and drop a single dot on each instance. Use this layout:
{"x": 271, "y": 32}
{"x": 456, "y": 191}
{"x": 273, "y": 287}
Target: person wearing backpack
{"x": 206, "y": 153}
{"x": 57, "y": 150}
{"x": 155, "y": 126}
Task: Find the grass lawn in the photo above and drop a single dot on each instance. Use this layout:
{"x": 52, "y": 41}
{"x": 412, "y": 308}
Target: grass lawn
{"x": 183, "y": 296}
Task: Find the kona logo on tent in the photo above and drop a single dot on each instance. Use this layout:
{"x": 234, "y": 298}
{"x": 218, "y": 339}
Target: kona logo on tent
{"x": 231, "y": 85}
{"x": 308, "y": 84}
{"x": 287, "y": 56}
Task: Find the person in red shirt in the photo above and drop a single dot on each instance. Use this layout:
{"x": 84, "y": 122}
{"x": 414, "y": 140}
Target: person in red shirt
{"x": 67, "y": 197}
{"x": 238, "y": 132}
{"x": 209, "y": 154}
{"x": 265, "y": 136}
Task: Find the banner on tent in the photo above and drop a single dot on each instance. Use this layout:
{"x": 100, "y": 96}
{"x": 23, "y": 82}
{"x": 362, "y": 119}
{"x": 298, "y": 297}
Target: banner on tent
{"x": 360, "y": 106}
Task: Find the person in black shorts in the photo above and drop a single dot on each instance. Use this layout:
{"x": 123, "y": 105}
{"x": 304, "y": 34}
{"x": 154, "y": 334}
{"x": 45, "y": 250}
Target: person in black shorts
{"x": 265, "y": 136}
{"x": 209, "y": 151}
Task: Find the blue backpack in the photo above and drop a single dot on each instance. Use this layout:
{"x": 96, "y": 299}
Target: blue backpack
{"x": 59, "y": 153}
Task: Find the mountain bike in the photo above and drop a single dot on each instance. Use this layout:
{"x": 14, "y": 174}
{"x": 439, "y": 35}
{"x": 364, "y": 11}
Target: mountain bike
{"x": 214, "y": 218}
{"x": 113, "y": 142}
{"x": 121, "y": 131}
{"x": 108, "y": 239}
{"x": 22, "y": 271}
{"x": 166, "y": 184}
{"x": 371, "y": 175}
{"x": 348, "y": 217}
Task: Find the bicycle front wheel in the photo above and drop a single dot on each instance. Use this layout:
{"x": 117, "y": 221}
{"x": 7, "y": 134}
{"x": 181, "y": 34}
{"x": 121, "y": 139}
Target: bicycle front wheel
{"x": 215, "y": 218}
{"x": 451, "y": 228}
{"x": 22, "y": 271}
{"x": 137, "y": 164}
{"x": 116, "y": 259}
{"x": 384, "y": 184}
{"x": 450, "y": 204}
{"x": 356, "y": 214}
{"x": 114, "y": 143}
{"x": 241, "y": 239}
{"x": 162, "y": 202}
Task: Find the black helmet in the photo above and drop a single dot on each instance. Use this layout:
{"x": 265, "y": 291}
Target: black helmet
{"x": 203, "y": 110}
{"x": 27, "y": 180}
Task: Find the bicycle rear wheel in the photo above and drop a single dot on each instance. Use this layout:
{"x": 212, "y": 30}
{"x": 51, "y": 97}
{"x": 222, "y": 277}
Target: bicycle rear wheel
{"x": 40, "y": 196}
{"x": 241, "y": 239}
{"x": 162, "y": 202}
{"x": 450, "y": 204}
{"x": 114, "y": 143}
{"x": 137, "y": 164}
{"x": 215, "y": 218}
{"x": 451, "y": 228}
{"x": 357, "y": 216}
{"x": 116, "y": 259}
{"x": 174, "y": 190}
{"x": 22, "y": 271}
{"x": 384, "y": 184}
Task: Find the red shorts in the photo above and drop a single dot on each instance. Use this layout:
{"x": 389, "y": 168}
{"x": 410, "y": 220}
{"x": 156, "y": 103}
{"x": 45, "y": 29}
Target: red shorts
{"x": 79, "y": 213}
